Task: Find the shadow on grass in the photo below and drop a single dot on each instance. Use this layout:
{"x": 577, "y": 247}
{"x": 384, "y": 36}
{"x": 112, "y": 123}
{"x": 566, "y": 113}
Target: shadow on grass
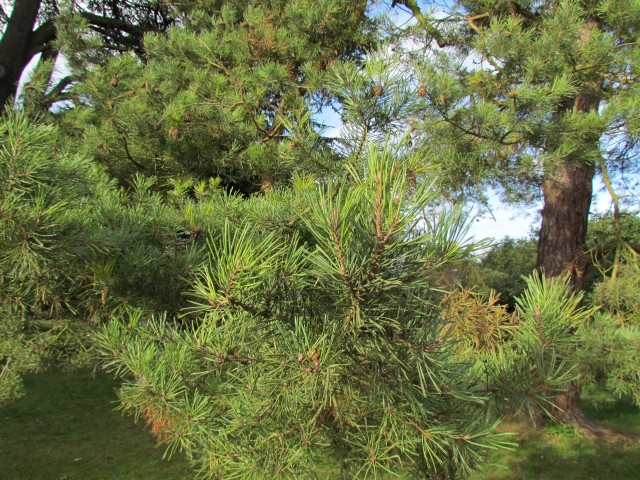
{"x": 65, "y": 428}
{"x": 559, "y": 452}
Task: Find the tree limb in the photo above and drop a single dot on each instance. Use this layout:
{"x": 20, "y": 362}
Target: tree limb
{"x": 41, "y": 38}
{"x": 424, "y": 22}
{"x": 114, "y": 24}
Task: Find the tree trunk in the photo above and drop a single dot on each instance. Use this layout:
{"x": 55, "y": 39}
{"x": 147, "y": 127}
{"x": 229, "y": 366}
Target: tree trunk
{"x": 14, "y": 47}
{"x": 567, "y": 191}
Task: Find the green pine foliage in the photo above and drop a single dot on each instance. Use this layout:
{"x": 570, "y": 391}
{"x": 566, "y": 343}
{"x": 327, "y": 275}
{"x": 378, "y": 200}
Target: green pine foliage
{"x": 610, "y": 345}
{"x": 75, "y": 247}
{"x": 38, "y": 186}
{"x": 497, "y": 102}
{"x": 272, "y": 299}
{"x": 525, "y": 359}
{"x": 228, "y": 92}
{"x": 302, "y": 348}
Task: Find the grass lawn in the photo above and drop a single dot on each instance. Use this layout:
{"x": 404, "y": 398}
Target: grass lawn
{"x": 66, "y": 428}
{"x": 558, "y": 452}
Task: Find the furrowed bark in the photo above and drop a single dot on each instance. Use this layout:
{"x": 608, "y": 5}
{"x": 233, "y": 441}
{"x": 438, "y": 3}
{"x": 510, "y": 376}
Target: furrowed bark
{"x": 567, "y": 193}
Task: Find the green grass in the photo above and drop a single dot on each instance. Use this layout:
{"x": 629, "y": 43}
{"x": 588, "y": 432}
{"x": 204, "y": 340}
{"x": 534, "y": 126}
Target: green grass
{"x": 558, "y": 452}
{"x": 66, "y": 428}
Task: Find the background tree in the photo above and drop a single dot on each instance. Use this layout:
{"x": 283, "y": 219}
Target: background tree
{"x": 532, "y": 97}
{"x": 29, "y": 28}
{"x": 611, "y": 238}
{"x": 229, "y": 92}
{"x": 505, "y": 265}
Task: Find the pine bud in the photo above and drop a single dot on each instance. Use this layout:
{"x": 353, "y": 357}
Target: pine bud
{"x": 422, "y": 91}
{"x": 174, "y": 132}
{"x": 265, "y": 184}
{"x": 113, "y": 81}
{"x": 314, "y": 357}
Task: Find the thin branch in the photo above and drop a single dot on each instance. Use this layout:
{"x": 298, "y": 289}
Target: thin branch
{"x": 360, "y": 146}
{"x": 412, "y": 5}
{"x": 617, "y": 229}
{"x": 336, "y": 244}
{"x": 114, "y": 24}
{"x": 277, "y": 128}
{"x": 472, "y": 21}
{"x": 128, "y": 153}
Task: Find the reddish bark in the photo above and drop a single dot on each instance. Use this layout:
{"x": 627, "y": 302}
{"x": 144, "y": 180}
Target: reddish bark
{"x": 567, "y": 191}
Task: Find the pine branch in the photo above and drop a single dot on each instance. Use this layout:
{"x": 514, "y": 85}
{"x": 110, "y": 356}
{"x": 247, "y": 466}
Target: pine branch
{"x": 125, "y": 144}
{"x": 413, "y": 6}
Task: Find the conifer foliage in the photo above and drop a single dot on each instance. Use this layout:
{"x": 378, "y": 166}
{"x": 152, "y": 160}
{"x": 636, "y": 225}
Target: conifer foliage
{"x": 532, "y": 98}
{"x": 228, "y": 92}
{"x": 272, "y": 299}
{"x": 37, "y": 186}
{"x": 297, "y": 351}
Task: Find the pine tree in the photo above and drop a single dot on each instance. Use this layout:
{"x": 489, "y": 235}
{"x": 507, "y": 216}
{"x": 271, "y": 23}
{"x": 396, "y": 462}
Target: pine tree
{"x": 532, "y": 97}
{"x": 318, "y": 348}
{"x": 229, "y": 92}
